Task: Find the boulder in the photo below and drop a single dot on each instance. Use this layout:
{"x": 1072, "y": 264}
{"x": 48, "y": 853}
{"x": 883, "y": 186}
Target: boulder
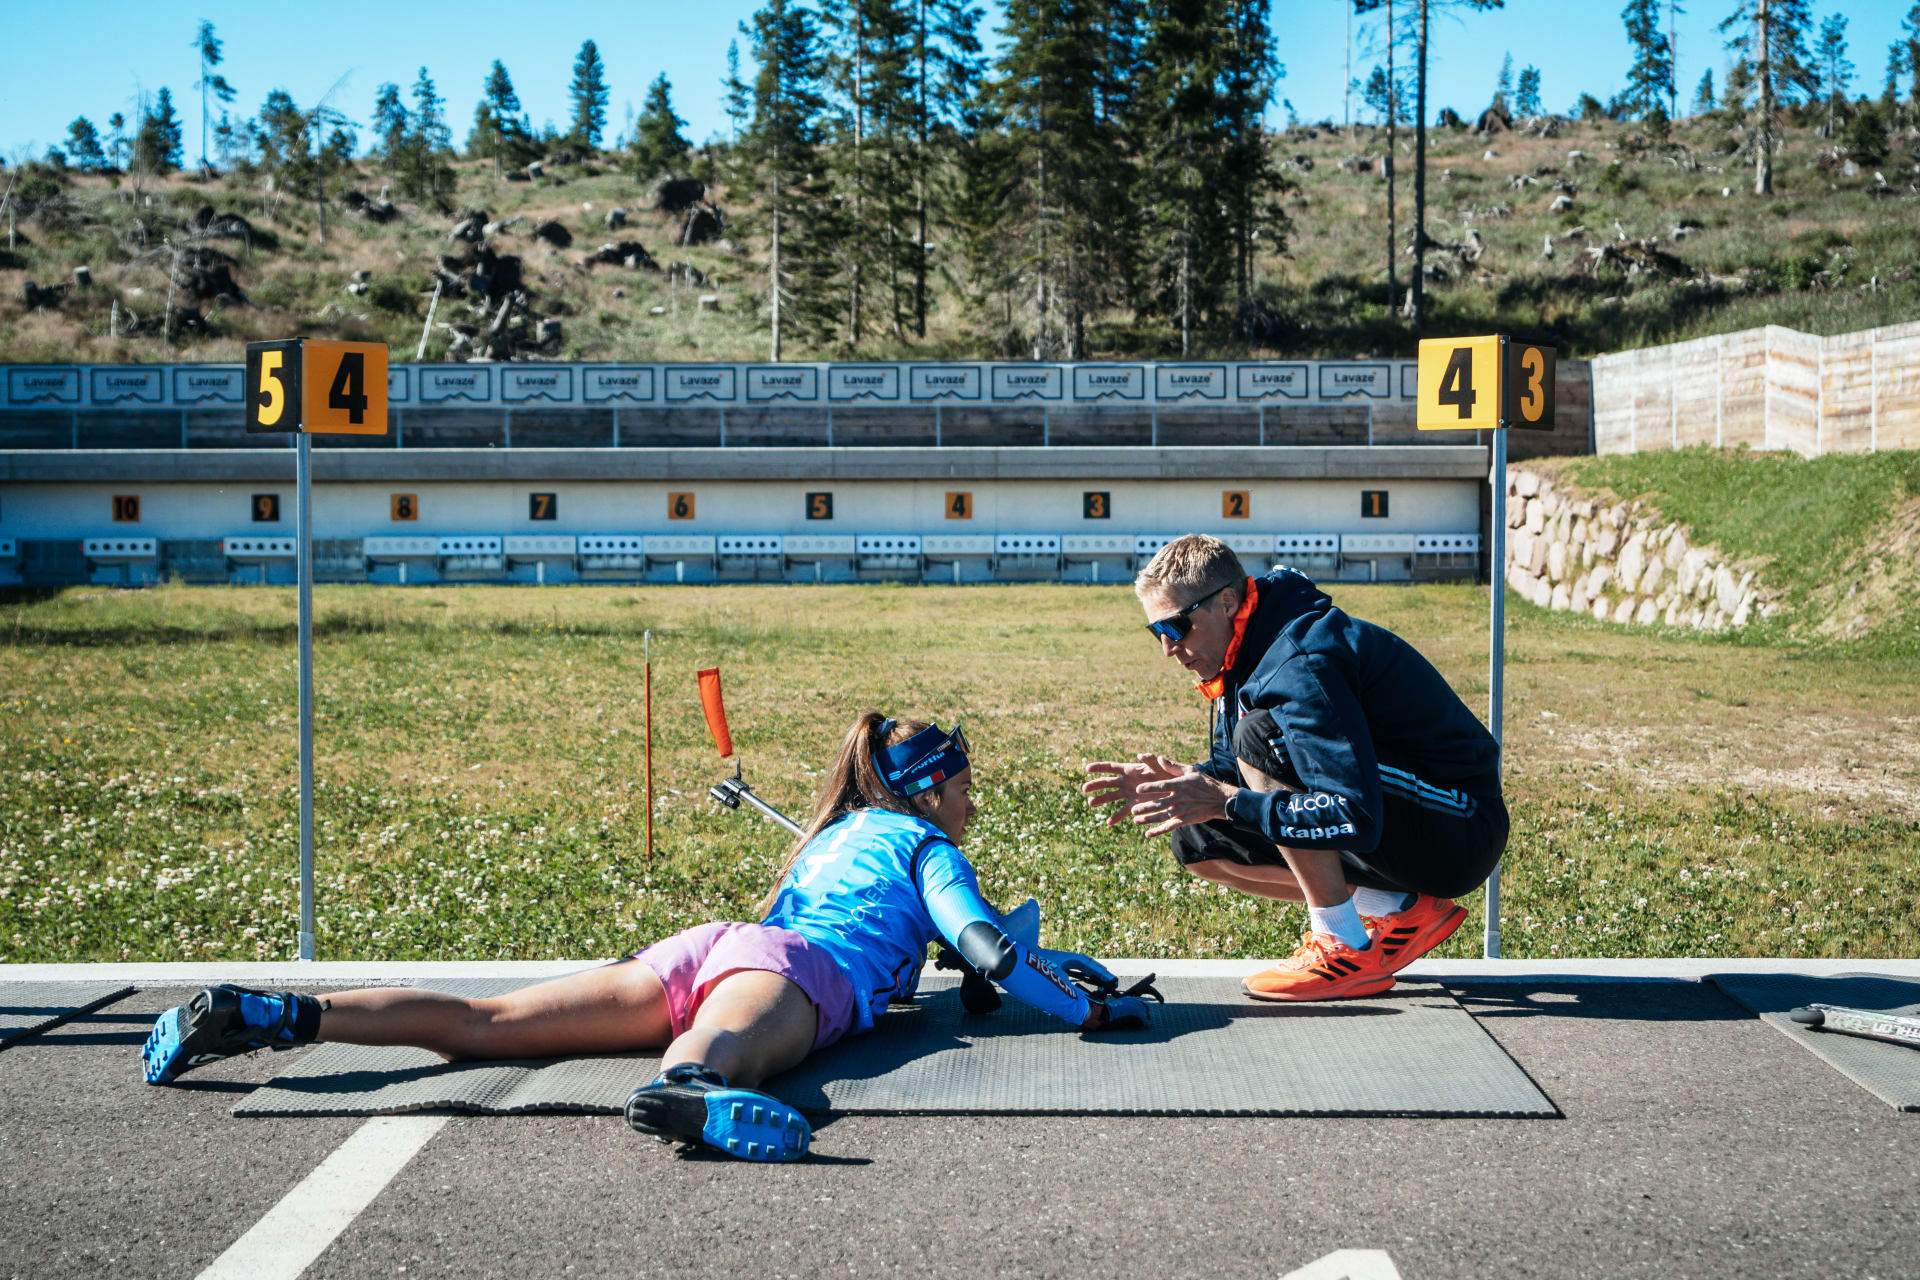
{"x": 704, "y": 223}
{"x": 1676, "y": 549}
{"x": 1600, "y": 609}
{"x": 1599, "y": 579}
{"x": 614, "y": 218}
{"x": 1537, "y": 556}
{"x": 677, "y": 195}
{"x": 553, "y": 233}
{"x": 546, "y": 333}
{"x": 1536, "y": 515}
{"x": 685, "y": 273}
{"x": 1646, "y": 615}
{"x": 1623, "y": 612}
{"x": 1557, "y": 561}
{"x": 1526, "y": 484}
{"x": 1652, "y": 576}
{"x": 1562, "y": 598}
{"x": 1520, "y": 548}
{"x": 709, "y": 302}
{"x": 1577, "y": 598}
{"x": 625, "y": 253}
{"x": 1726, "y": 590}
{"x": 82, "y": 277}
{"x": 1633, "y": 559}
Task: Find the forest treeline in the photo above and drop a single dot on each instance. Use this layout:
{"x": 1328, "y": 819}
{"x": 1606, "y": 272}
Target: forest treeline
{"x": 1112, "y": 155}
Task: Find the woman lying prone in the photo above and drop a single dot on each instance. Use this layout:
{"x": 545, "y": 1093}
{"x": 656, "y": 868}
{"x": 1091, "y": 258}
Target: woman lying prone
{"x": 876, "y": 877}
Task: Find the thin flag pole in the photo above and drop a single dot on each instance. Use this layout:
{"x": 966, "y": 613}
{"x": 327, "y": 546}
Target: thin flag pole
{"x": 648, "y": 681}
{"x": 1497, "y": 657}
{"x": 304, "y": 514}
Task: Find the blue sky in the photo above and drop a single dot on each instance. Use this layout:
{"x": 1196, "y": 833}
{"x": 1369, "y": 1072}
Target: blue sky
{"x": 64, "y": 60}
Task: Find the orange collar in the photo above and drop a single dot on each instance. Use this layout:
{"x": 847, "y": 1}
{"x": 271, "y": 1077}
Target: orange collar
{"x": 1217, "y": 686}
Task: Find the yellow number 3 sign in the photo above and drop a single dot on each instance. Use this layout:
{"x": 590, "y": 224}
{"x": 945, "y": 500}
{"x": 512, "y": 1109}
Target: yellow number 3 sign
{"x": 317, "y": 386}
{"x": 1480, "y": 384}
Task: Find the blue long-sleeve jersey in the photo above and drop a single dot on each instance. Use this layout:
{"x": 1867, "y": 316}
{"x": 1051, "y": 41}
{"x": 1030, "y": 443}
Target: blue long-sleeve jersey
{"x": 875, "y": 887}
{"x": 1359, "y": 713}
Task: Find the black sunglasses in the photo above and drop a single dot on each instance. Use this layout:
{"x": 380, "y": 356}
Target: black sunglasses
{"x": 1175, "y": 627}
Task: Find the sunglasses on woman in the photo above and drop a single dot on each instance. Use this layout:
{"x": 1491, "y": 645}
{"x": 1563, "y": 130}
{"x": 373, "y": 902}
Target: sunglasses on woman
{"x": 1175, "y": 627}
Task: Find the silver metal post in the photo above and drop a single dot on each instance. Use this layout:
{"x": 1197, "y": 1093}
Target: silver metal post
{"x": 305, "y": 544}
{"x": 1497, "y": 652}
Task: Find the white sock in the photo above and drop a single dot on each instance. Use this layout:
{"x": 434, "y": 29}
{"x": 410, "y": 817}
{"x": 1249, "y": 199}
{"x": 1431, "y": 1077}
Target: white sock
{"x": 1380, "y": 902}
{"x": 1342, "y": 922}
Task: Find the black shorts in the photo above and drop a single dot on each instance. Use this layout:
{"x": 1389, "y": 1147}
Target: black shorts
{"x": 1446, "y": 846}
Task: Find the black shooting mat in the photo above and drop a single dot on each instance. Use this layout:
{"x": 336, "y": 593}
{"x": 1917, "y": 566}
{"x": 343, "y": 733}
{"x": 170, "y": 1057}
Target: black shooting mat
{"x": 1890, "y": 1072}
{"x": 27, "y": 1007}
{"x": 1412, "y": 1051}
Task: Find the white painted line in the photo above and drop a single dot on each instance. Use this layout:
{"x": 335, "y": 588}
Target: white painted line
{"x": 1349, "y": 1264}
{"x": 298, "y": 1229}
{"x": 350, "y": 973}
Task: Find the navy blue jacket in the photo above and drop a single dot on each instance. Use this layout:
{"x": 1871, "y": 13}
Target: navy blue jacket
{"x": 1360, "y": 713}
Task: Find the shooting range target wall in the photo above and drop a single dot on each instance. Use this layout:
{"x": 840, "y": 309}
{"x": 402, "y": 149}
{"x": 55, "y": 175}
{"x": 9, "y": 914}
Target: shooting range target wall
{"x": 701, "y": 473}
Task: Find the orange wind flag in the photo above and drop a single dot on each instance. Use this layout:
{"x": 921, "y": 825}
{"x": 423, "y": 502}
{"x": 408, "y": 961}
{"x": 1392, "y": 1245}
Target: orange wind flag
{"x": 716, "y": 711}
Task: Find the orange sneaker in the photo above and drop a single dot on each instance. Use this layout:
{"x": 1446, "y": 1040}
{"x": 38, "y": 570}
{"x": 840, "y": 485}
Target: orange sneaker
{"x": 1405, "y": 936}
{"x": 1324, "y": 968}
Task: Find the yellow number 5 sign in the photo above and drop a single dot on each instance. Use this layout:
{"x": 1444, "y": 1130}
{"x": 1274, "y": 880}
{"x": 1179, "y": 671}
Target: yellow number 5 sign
{"x": 1481, "y": 384}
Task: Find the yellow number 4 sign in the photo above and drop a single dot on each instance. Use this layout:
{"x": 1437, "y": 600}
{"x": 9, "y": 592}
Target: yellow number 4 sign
{"x": 317, "y": 386}
{"x": 1481, "y": 384}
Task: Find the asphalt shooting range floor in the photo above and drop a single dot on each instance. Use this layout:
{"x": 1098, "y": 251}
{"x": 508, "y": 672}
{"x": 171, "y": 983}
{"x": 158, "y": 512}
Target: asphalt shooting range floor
{"x": 1686, "y": 1137}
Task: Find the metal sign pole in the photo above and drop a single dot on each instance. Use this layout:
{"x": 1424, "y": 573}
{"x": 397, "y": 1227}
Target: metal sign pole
{"x": 1497, "y": 653}
{"x": 304, "y": 478}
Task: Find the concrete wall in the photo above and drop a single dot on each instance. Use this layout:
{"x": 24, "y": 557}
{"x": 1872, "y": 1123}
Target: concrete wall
{"x": 1771, "y": 388}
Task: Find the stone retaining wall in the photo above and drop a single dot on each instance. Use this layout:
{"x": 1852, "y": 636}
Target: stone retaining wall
{"x": 1620, "y": 563}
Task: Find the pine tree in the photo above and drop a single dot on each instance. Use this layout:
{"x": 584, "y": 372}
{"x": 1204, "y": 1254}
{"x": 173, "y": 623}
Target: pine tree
{"x": 209, "y": 47}
{"x": 83, "y": 145}
{"x": 1770, "y": 36}
{"x": 1183, "y": 144}
{"x": 428, "y": 141}
{"x": 658, "y": 146}
{"x": 589, "y": 94}
{"x": 1526, "y": 98}
{"x": 1910, "y": 27}
{"x": 390, "y": 125}
{"x": 780, "y": 154}
{"x": 157, "y": 144}
{"x": 1703, "y": 99}
{"x": 970, "y": 189}
{"x": 1062, "y": 85}
{"x": 1836, "y": 73}
{"x": 1503, "y": 87}
{"x": 500, "y": 131}
{"x": 736, "y": 94}
{"x": 1419, "y": 298}
{"x": 1650, "y": 78}
{"x": 119, "y": 149}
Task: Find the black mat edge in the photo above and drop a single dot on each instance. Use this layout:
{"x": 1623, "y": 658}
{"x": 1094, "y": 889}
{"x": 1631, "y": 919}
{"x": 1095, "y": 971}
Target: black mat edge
{"x": 1809, "y": 1039}
{"x": 7, "y": 1041}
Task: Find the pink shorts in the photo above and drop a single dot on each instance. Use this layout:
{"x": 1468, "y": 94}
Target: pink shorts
{"x": 691, "y": 961}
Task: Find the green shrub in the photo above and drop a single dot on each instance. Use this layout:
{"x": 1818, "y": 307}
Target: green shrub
{"x": 397, "y": 296}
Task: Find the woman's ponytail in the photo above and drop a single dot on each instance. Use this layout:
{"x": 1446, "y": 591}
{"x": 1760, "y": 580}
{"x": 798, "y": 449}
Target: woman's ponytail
{"x": 854, "y": 782}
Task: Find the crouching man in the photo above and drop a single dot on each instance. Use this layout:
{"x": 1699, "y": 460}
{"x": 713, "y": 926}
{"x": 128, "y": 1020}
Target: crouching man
{"x": 1344, "y": 772}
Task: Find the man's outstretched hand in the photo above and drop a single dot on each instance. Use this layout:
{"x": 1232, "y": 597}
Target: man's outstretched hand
{"x": 1113, "y": 782}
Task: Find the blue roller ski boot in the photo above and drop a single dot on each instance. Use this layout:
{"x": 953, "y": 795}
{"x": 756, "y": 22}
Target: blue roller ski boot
{"x": 692, "y": 1104}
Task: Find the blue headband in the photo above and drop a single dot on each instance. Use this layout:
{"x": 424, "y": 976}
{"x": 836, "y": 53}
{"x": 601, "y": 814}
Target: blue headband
{"x": 925, "y": 760}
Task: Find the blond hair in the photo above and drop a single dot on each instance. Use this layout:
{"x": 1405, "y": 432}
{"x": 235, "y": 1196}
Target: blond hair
{"x": 1188, "y": 568}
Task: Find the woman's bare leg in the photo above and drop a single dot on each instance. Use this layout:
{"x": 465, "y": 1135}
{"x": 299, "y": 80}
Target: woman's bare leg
{"x": 753, "y": 1024}
{"x": 617, "y": 1008}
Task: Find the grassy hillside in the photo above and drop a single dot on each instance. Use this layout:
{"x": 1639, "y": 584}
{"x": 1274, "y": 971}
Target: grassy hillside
{"x": 1827, "y": 253}
{"x": 1838, "y": 538}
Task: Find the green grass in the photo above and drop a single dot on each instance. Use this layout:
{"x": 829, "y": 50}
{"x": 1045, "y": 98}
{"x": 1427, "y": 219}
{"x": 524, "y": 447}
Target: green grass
{"x": 481, "y": 783}
{"x": 1815, "y": 527}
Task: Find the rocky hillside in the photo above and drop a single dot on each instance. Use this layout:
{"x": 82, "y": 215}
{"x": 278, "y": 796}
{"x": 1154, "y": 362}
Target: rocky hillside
{"x": 1592, "y": 235}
